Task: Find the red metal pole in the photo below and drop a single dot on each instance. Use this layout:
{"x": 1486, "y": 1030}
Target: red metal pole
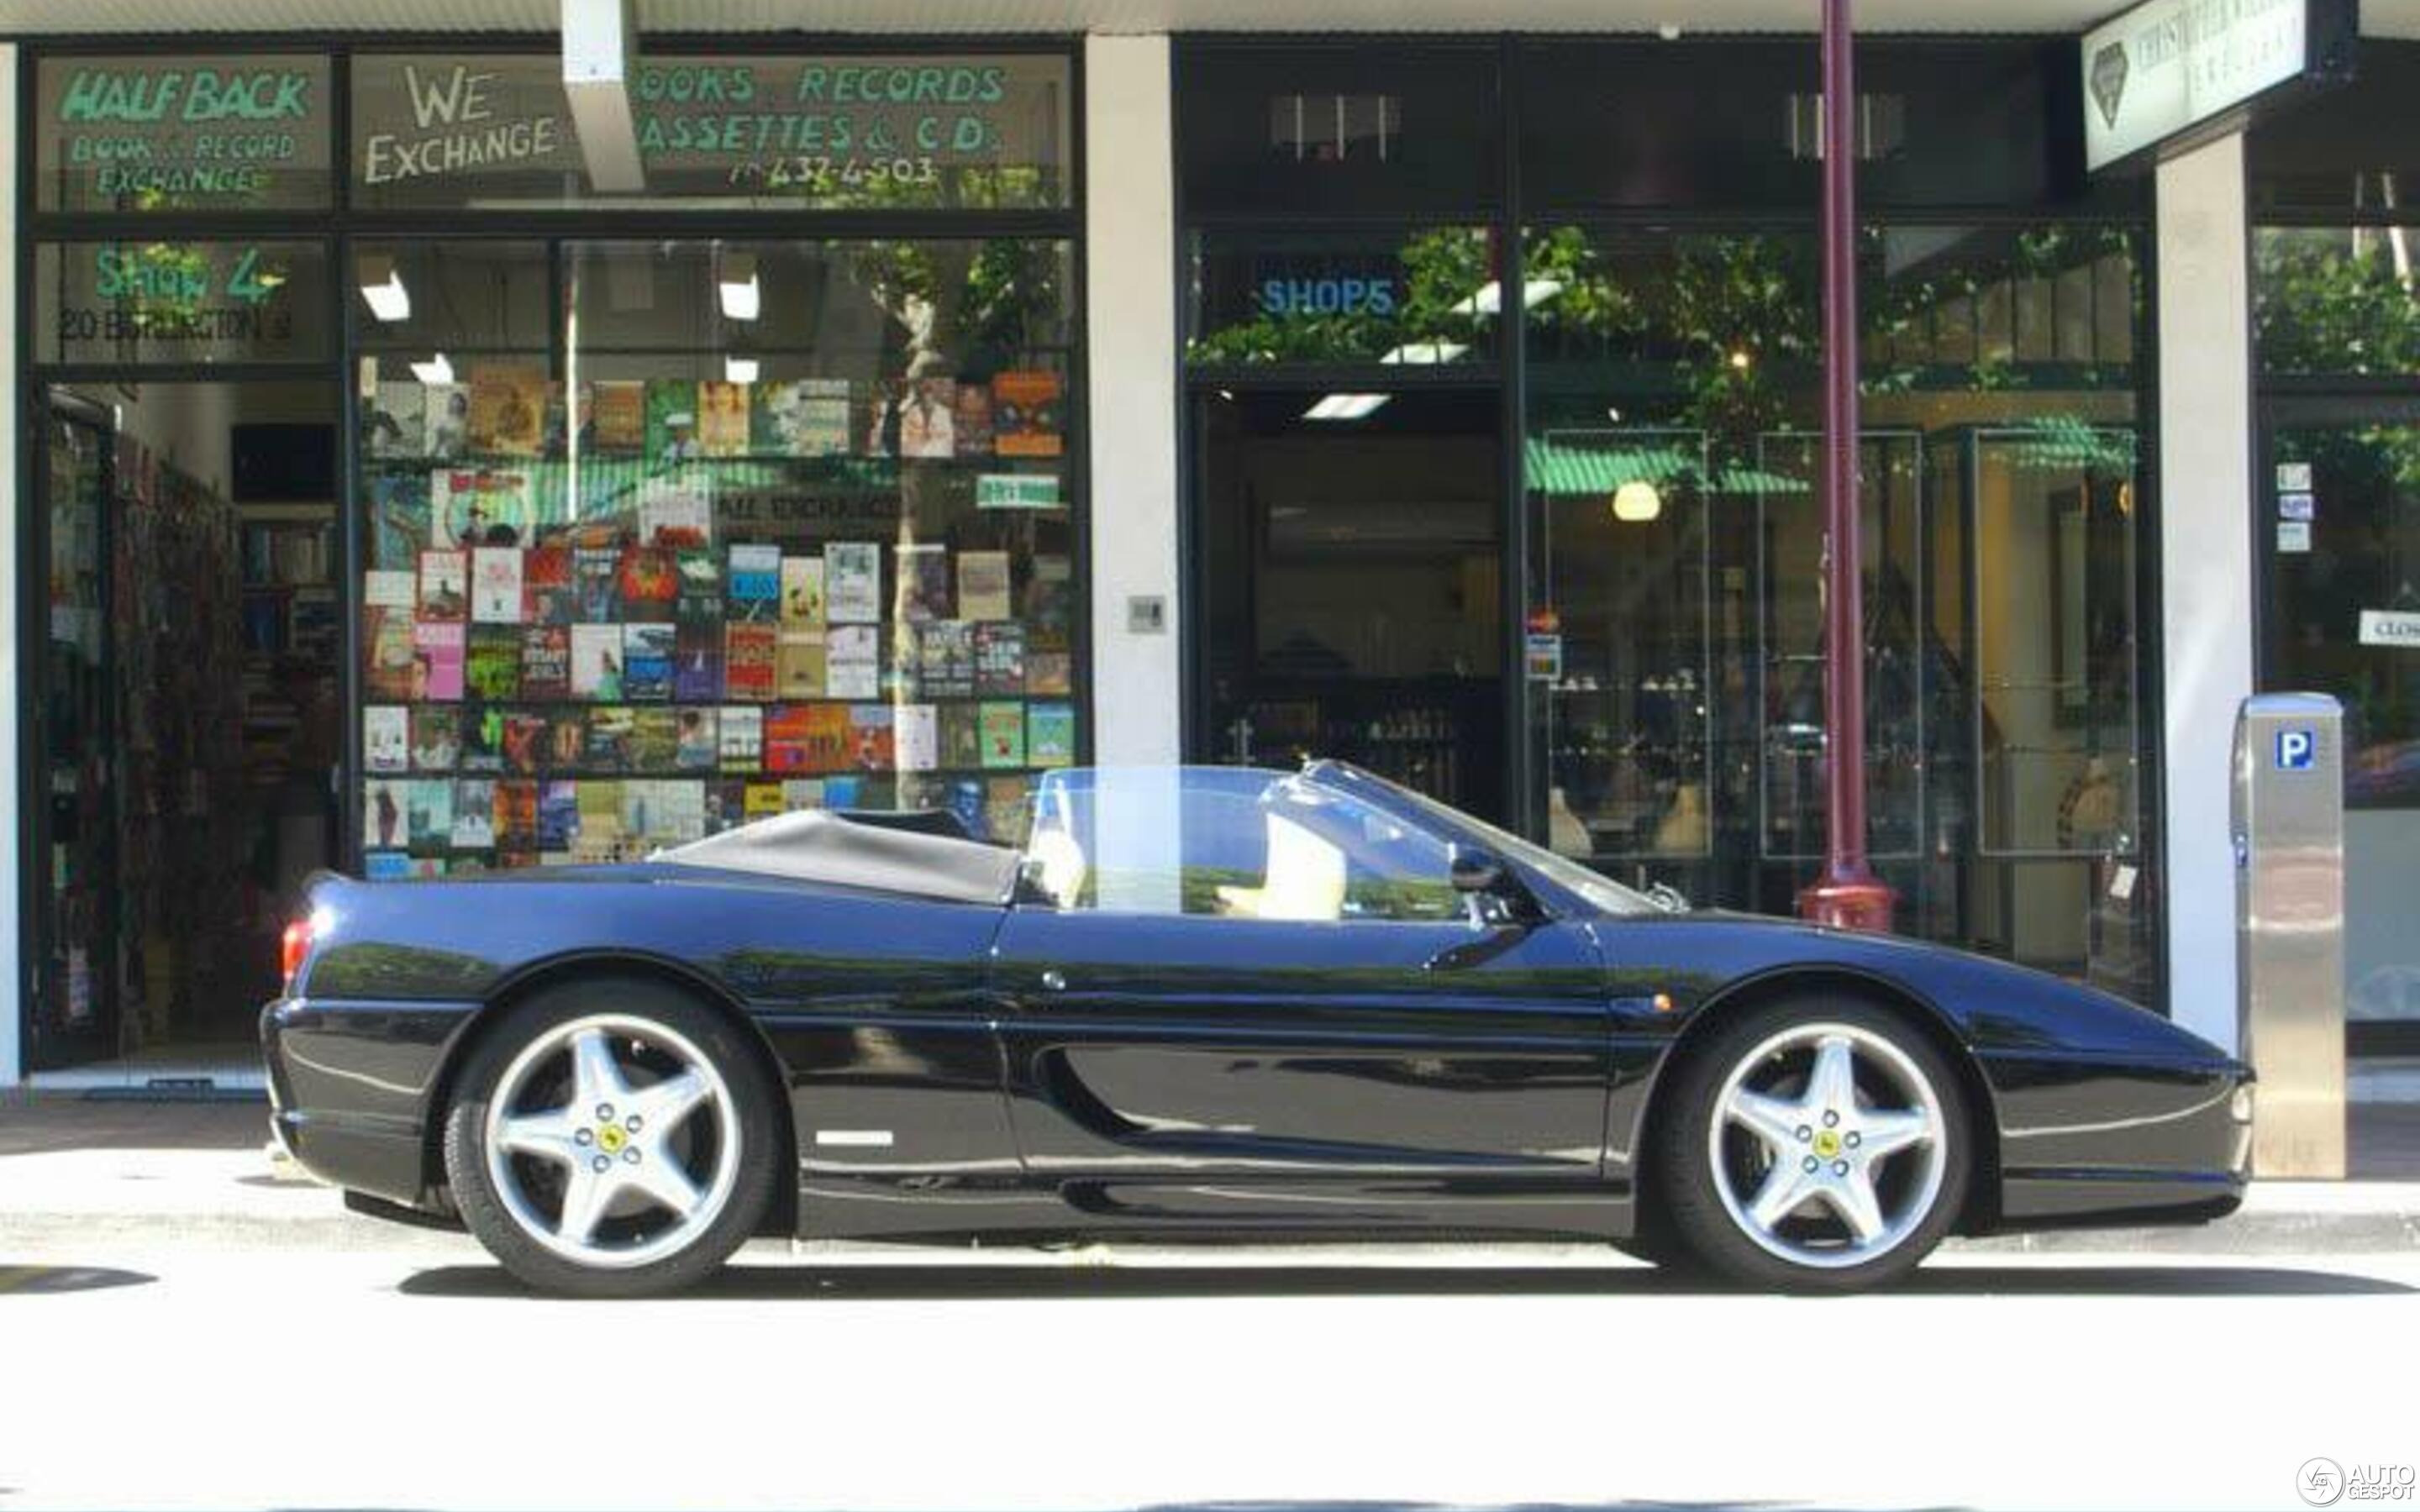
{"x": 1848, "y": 894}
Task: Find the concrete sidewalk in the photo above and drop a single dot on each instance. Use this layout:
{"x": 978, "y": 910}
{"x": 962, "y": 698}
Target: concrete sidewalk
{"x": 81, "y": 1173}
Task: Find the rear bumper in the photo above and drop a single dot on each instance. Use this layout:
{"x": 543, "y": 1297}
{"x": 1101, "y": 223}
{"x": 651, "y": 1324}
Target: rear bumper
{"x": 352, "y": 1086}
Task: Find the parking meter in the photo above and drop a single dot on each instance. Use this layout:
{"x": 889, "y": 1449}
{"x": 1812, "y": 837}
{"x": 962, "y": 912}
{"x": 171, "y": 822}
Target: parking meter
{"x": 2288, "y": 814}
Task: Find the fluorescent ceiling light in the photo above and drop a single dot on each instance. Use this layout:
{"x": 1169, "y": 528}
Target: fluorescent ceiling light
{"x": 740, "y": 369}
{"x": 382, "y": 289}
{"x": 1490, "y": 297}
{"x": 743, "y": 298}
{"x": 434, "y": 371}
{"x": 1422, "y": 353}
{"x": 1346, "y": 407}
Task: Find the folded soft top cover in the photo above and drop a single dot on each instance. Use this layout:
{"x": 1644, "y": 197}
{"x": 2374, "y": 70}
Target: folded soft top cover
{"x": 813, "y": 845}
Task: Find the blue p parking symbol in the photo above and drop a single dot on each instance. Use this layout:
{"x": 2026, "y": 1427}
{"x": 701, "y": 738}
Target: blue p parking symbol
{"x": 2297, "y": 750}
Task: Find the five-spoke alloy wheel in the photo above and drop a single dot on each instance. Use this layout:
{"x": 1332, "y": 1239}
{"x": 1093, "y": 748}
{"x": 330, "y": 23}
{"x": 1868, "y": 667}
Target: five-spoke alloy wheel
{"x": 1816, "y": 1146}
{"x": 612, "y": 1137}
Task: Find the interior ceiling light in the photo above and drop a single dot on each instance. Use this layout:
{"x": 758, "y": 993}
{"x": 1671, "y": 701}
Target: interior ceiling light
{"x": 1346, "y": 407}
{"x": 744, "y": 297}
{"x": 382, "y": 289}
{"x": 434, "y": 371}
{"x": 740, "y": 369}
{"x": 1637, "y": 502}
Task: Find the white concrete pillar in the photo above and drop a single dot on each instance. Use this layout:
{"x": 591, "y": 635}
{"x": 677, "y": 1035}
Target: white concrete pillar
{"x": 20, "y": 677}
{"x": 1130, "y": 321}
{"x": 2206, "y": 566}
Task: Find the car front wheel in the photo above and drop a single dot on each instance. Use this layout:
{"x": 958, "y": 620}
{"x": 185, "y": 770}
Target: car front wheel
{"x": 1816, "y": 1146}
{"x": 613, "y": 1138}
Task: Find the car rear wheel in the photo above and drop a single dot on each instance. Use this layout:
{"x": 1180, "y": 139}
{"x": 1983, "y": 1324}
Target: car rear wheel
{"x": 1815, "y": 1145}
{"x": 613, "y": 1138}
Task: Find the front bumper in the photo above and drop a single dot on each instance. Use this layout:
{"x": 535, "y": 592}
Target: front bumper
{"x": 2088, "y": 1140}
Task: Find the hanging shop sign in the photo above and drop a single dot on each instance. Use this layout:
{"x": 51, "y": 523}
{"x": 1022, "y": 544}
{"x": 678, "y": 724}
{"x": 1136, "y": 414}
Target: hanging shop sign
{"x": 2390, "y": 627}
{"x": 157, "y": 136}
{"x": 874, "y": 132}
{"x": 181, "y": 301}
{"x": 2166, "y": 70}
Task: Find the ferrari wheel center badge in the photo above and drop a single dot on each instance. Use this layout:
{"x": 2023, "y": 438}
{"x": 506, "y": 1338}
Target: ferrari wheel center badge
{"x": 610, "y": 1138}
{"x": 1827, "y": 1143}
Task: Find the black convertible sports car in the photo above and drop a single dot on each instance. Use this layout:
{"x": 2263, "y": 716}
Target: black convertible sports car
{"x": 1201, "y": 1003}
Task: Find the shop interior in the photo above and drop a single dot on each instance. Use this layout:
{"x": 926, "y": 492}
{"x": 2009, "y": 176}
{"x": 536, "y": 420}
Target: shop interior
{"x": 188, "y": 730}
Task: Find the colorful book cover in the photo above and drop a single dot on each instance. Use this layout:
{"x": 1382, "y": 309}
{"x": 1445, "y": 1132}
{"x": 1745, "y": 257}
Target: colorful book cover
{"x": 799, "y": 664}
{"x": 517, "y": 816}
{"x": 984, "y": 591}
{"x": 972, "y": 419}
{"x": 723, "y": 417}
{"x": 748, "y": 662}
{"x": 923, "y": 569}
{"x": 526, "y": 749}
{"x": 1028, "y": 414}
{"x": 492, "y": 667}
{"x": 650, "y": 582}
{"x": 445, "y": 585}
{"x": 386, "y": 738}
{"x": 699, "y": 597}
{"x": 828, "y": 738}
{"x": 618, "y": 415}
{"x": 546, "y": 596}
{"x": 597, "y": 583}
{"x": 599, "y": 836}
{"x": 399, "y": 520}
{"x": 647, "y": 662}
{"x": 873, "y": 738}
{"x": 386, "y": 865}
{"x": 567, "y": 740}
{"x": 558, "y": 814}
{"x": 1050, "y": 604}
{"x": 384, "y": 802}
{"x": 483, "y": 739}
{"x": 739, "y": 738}
{"x": 1007, "y": 809}
{"x": 675, "y": 511}
{"x": 607, "y": 746}
{"x": 927, "y": 418}
{"x": 945, "y": 659}
{"x": 852, "y": 661}
{"x": 697, "y": 748}
{"x": 480, "y": 506}
{"x": 788, "y": 732}
{"x": 546, "y": 662}
{"x": 853, "y": 582}
{"x": 1003, "y": 734}
{"x": 808, "y": 418}
{"x": 802, "y": 593}
{"x": 920, "y": 792}
{"x": 446, "y": 419}
{"x": 755, "y": 595}
{"x": 916, "y": 737}
{"x": 429, "y": 811}
{"x": 965, "y": 799}
{"x": 507, "y": 411}
{"x": 436, "y": 737}
{"x": 396, "y": 421}
{"x": 849, "y": 792}
{"x": 725, "y": 806}
{"x": 438, "y": 647}
{"x": 1050, "y": 673}
{"x": 671, "y": 420}
{"x": 474, "y": 814}
{"x": 697, "y": 663}
{"x": 1049, "y": 734}
{"x": 597, "y": 662}
{"x": 654, "y": 740}
{"x": 496, "y": 585}
{"x": 763, "y": 800}
{"x": 999, "y": 657}
{"x": 390, "y": 666}
{"x": 382, "y": 589}
{"x": 804, "y": 793}
{"x": 961, "y": 739}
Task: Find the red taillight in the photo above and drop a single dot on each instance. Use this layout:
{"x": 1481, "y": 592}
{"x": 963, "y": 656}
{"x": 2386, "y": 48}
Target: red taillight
{"x": 292, "y": 948}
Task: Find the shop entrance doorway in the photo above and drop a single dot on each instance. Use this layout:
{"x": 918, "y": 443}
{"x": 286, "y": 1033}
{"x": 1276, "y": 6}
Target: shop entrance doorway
{"x": 1349, "y": 596}
{"x": 185, "y": 736}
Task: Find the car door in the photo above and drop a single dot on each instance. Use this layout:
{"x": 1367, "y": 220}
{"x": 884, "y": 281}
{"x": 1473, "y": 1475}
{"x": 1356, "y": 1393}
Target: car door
{"x": 1262, "y": 983}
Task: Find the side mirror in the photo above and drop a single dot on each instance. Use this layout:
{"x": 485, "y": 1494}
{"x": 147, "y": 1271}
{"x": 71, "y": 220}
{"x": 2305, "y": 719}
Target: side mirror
{"x": 1476, "y": 872}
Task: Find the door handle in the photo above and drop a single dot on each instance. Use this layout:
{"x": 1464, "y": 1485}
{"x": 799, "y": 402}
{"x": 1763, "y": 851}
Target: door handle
{"x": 1053, "y": 980}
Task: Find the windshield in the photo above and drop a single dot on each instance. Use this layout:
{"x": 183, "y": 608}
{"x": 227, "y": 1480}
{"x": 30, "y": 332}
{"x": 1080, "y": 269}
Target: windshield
{"x": 1598, "y": 890}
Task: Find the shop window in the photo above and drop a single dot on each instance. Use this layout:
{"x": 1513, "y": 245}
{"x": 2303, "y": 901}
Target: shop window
{"x": 1413, "y": 298}
{"x": 780, "y": 525}
{"x": 181, "y": 134}
{"x": 182, "y": 301}
{"x": 822, "y": 131}
{"x": 2348, "y": 152}
{"x": 2335, "y": 301}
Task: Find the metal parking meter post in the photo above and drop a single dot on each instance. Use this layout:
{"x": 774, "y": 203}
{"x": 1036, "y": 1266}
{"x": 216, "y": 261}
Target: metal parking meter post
{"x": 2290, "y": 929}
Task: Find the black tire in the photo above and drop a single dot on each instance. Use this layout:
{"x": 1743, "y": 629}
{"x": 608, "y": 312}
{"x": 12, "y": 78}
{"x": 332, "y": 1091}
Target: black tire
{"x": 1685, "y": 1180}
{"x": 752, "y": 1093}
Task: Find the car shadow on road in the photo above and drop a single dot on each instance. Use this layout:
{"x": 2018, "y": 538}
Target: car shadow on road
{"x": 1007, "y": 1282}
{"x": 50, "y": 1280}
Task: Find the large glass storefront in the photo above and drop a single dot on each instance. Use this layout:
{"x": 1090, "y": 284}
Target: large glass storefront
{"x": 2336, "y": 489}
{"x": 1608, "y": 480}
{"x": 408, "y": 504}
